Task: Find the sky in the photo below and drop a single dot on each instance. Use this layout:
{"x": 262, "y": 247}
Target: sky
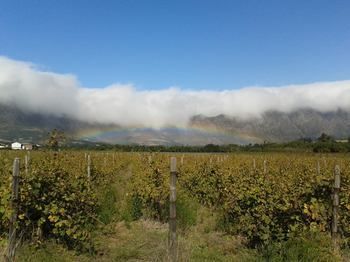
{"x": 158, "y": 63}
{"x": 194, "y": 45}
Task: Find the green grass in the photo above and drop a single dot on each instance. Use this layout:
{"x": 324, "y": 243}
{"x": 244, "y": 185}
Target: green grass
{"x": 108, "y": 208}
{"x": 49, "y": 251}
{"x": 186, "y": 211}
{"x": 145, "y": 240}
{"x": 310, "y": 246}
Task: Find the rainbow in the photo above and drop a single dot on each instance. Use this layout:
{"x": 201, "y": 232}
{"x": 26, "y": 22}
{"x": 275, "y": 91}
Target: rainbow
{"x": 103, "y": 134}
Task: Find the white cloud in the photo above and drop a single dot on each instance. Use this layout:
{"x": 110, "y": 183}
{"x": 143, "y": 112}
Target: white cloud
{"x": 24, "y": 85}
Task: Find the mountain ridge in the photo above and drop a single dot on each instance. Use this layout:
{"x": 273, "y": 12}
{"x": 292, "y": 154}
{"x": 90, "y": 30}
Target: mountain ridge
{"x": 276, "y": 126}
{"x": 272, "y": 126}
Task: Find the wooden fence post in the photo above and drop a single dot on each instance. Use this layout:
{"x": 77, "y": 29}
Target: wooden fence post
{"x": 28, "y": 154}
{"x": 318, "y": 168}
{"x": 265, "y": 166}
{"x": 335, "y": 215}
{"x": 172, "y": 217}
{"x": 26, "y": 164}
{"x": 89, "y": 166}
{"x": 14, "y": 206}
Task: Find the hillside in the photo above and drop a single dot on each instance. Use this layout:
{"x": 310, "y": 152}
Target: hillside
{"x": 274, "y": 126}
{"x": 16, "y": 124}
{"x": 280, "y": 127}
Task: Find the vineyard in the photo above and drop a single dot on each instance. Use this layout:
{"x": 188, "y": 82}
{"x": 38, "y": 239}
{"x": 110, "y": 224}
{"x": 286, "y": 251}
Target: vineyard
{"x": 256, "y": 199}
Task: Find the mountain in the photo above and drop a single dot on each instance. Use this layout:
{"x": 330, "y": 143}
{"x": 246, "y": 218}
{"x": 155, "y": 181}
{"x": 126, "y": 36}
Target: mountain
{"x": 17, "y": 124}
{"x": 167, "y": 136}
{"x": 23, "y": 126}
{"x": 274, "y": 126}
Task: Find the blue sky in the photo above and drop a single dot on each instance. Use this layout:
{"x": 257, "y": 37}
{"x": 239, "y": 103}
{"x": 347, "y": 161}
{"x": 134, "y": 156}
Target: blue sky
{"x": 191, "y": 44}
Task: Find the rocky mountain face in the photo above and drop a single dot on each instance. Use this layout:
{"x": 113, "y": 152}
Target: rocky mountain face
{"x": 16, "y": 124}
{"x": 279, "y": 127}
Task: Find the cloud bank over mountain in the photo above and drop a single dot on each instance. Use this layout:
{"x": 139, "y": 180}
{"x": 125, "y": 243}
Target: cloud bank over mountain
{"x": 24, "y": 85}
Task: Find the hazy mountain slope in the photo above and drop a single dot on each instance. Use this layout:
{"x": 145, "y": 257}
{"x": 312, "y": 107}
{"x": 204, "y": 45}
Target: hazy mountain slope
{"x": 16, "y": 124}
{"x": 168, "y": 136}
{"x": 277, "y": 126}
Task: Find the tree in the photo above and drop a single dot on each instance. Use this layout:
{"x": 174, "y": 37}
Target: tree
{"x": 325, "y": 138}
{"x": 56, "y": 139}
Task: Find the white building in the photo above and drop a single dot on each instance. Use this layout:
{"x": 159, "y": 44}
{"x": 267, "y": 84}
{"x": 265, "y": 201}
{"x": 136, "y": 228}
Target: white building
{"x": 16, "y": 146}
{"x": 27, "y": 146}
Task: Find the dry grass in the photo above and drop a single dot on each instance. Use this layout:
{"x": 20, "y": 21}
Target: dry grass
{"x": 146, "y": 240}
{"x": 137, "y": 241}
